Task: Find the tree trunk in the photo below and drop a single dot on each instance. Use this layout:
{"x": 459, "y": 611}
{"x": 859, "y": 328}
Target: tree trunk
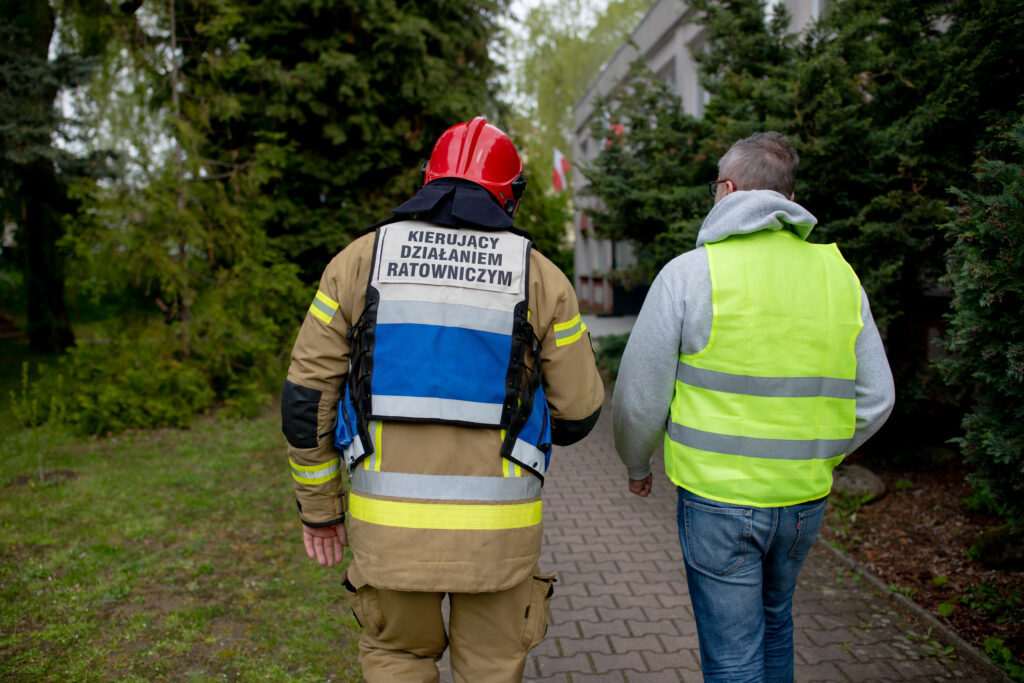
{"x": 43, "y": 198}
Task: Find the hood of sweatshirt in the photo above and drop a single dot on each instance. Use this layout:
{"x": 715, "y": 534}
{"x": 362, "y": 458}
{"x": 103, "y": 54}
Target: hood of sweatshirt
{"x": 746, "y": 211}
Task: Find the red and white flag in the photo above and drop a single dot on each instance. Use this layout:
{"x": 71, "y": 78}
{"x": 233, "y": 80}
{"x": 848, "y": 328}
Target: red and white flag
{"x": 561, "y": 169}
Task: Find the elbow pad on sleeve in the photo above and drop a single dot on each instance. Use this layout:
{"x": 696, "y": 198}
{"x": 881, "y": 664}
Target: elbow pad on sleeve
{"x": 299, "y": 406}
{"x": 568, "y": 432}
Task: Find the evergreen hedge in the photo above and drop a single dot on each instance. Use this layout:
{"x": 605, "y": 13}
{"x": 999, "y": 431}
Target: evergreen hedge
{"x": 986, "y": 328}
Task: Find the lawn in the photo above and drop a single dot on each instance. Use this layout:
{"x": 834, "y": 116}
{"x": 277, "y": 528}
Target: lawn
{"x": 164, "y": 555}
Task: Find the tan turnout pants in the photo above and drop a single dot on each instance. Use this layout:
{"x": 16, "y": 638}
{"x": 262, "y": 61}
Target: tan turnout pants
{"x": 489, "y": 633}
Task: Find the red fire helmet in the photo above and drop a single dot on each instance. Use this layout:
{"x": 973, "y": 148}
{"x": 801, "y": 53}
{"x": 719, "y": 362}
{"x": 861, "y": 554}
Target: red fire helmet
{"x": 481, "y": 153}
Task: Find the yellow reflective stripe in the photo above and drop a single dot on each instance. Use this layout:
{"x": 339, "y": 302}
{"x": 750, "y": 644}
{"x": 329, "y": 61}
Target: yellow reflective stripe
{"x": 444, "y": 515}
{"x": 376, "y": 445}
{"x": 566, "y": 325}
{"x": 510, "y": 468}
{"x": 326, "y": 299}
{"x": 323, "y": 307}
{"x": 568, "y": 332}
{"x": 506, "y": 465}
{"x": 315, "y": 474}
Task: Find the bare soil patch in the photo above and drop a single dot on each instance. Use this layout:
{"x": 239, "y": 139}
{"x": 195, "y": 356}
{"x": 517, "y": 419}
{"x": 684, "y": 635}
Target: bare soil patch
{"x": 53, "y": 476}
{"x": 918, "y": 539}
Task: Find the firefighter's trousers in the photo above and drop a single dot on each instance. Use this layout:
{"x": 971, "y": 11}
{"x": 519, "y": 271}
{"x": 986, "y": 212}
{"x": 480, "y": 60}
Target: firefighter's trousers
{"x": 489, "y": 634}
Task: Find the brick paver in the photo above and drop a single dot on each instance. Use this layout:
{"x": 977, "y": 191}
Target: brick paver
{"x": 621, "y": 611}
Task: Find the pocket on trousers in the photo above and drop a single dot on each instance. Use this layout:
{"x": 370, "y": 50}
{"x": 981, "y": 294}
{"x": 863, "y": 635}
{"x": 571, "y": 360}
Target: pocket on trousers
{"x": 717, "y": 538}
{"x": 807, "y": 527}
{"x": 535, "y": 621}
{"x": 367, "y": 610}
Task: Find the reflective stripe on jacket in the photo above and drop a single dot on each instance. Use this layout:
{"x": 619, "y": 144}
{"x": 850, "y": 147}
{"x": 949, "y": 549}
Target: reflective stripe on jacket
{"x": 763, "y": 414}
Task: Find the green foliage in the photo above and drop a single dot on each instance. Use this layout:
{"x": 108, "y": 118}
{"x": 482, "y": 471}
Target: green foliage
{"x": 562, "y": 47}
{"x": 256, "y": 140}
{"x": 650, "y": 179}
{"x": 38, "y": 61}
{"x": 43, "y": 422}
{"x": 127, "y": 384}
{"x": 1003, "y": 657}
{"x": 232, "y": 351}
{"x": 544, "y": 213}
{"x": 608, "y": 353}
{"x": 986, "y": 271}
{"x": 887, "y": 102}
{"x": 347, "y": 97}
{"x": 986, "y": 598}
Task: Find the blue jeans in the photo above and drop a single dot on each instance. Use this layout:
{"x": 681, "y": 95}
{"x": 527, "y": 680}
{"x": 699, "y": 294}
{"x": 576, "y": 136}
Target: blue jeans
{"x": 741, "y": 569}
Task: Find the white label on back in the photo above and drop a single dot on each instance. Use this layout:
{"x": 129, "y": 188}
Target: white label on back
{"x": 421, "y": 253}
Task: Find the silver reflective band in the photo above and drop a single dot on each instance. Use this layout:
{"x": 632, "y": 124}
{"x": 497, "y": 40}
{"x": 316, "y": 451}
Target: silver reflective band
{"x": 569, "y": 331}
{"x": 355, "y": 450}
{"x": 441, "y": 487}
{"x": 319, "y": 475}
{"x": 323, "y": 307}
{"x": 444, "y": 315}
{"x": 438, "y": 409}
{"x": 530, "y": 455}
{"x": 753, "y": 447}
{"x": 781, "y": 387}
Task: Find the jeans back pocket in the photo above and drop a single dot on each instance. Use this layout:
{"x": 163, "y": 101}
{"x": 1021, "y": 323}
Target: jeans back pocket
{"x": 717, "y": 538}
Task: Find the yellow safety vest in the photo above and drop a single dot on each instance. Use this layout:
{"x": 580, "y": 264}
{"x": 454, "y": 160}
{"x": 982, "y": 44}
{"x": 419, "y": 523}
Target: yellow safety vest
{"x": 765, "y": 411}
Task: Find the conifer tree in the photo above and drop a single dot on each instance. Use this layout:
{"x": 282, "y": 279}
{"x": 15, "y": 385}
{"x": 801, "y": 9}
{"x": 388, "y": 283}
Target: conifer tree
{"x": 34, "y": 174}
{"x": 887, "y": 102}
{"x": 986, "y": 333}
{"x": 346, "y": 98}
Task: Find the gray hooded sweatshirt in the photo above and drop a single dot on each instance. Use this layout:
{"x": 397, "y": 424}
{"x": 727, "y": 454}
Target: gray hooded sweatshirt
{"x": 676, "y": 318}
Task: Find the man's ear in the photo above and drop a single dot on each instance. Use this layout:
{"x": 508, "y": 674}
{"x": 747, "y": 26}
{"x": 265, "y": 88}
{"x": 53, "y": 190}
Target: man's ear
{"x": 792, "y": 196}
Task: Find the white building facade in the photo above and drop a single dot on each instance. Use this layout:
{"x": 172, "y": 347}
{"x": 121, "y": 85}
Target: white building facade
{"x": 666, "y": 37}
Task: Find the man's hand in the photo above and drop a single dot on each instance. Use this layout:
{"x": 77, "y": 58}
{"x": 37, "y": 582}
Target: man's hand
{"x": 641, "y": 487}
{"x": 325, "y": 544}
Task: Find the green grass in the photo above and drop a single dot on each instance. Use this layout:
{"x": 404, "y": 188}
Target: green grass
{"x": 164, "y": 555}
{"x": 13, "y": 353}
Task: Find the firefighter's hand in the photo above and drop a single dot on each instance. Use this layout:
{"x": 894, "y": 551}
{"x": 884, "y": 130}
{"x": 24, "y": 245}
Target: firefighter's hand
{"x": 641, "y": 487}
{"x": 325, "y": 544}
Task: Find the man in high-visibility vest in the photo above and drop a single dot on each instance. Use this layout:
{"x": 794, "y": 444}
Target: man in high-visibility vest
{"x": 441, "y": 358}
{"x": 756, "y": 355}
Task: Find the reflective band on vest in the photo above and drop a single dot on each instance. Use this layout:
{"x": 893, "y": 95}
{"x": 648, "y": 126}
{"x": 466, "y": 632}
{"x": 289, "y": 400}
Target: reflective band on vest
{"x": 765, "y": 386}
{"x": 440, "y": 409}
{"x": 763, "y": 414}
{"x": 752, "y": 447}
{"x": 448, "y": 315}
{"x": 443, "y": 487}
{"x": 444, "y": 515}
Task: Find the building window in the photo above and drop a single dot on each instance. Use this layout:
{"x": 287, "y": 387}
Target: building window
{"x": 667, "y": 74}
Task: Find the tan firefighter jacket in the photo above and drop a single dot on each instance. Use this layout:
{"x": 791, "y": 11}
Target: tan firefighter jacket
{"x": 403, "y": 542}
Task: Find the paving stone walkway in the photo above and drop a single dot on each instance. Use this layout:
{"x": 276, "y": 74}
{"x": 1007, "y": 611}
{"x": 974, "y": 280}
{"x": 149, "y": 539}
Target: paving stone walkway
{"x": 621, "y": 610}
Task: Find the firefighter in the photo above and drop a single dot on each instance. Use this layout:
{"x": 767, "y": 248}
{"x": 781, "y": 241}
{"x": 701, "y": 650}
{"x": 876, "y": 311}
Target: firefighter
{"x": 439, "y": 361}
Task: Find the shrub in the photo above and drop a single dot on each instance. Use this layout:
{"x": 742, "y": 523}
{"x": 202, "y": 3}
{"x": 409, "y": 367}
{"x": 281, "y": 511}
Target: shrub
{"x": 986, "y": 271}
{"x": 130, "y": 383}
{"x": 608, "y": 353}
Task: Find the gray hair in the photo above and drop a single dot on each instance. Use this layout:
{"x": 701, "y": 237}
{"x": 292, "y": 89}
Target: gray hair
{"x": 764, "y": 161}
